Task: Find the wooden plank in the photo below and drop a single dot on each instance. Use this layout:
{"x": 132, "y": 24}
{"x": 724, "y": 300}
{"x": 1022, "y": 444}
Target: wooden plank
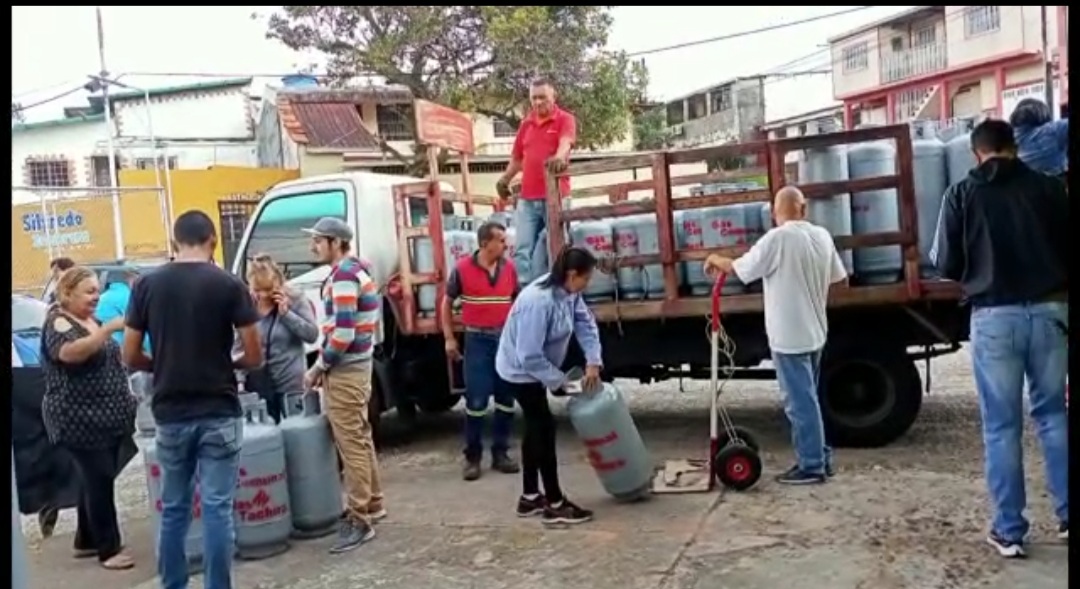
{"x": 615, "y": 164}
{"x": 721, "y": 199}
{"x": 683, "y": 180}
{"x": 665, "y": 225}
{"x": 829, "y": 189}
{"x": 839, "y": 138}
{"x": 414, "y": 232}
{"x": 444, "y": 127}
{"x": 697, "y": 154}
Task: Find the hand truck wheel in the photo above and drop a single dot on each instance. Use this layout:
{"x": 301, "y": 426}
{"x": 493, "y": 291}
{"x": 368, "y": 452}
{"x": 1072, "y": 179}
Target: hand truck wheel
{"x": 742, "y": 436}
{"x": 737, "y": 467}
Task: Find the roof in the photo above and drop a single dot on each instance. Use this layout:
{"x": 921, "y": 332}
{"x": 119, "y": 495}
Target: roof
{"x": 834, "y": 110}
{"x": 224, "y": 84}
{"x": 23, "y": 127}
{"x": 904, "y": 15}
{"x": 330, "y": 118}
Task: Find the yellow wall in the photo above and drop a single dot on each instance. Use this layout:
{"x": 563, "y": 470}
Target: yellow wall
{"x": 202, "y": 189}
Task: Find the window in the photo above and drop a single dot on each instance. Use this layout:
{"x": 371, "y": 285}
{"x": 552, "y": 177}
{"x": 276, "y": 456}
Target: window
{"x": 981, "y": 19}
{"x": 147, "y": 163}
{"x": 721, "y": 99}
{"x": 49, "y": 173}
{"x": 856, "y": 57}
{"x": 502, "y": 129}
{"x": 277, "y": 230}
{"x": 99, "y": 170}
{"x": 923, "y": 37}
{"x": 897, "y": 44}
{"x": 394, "y": 121}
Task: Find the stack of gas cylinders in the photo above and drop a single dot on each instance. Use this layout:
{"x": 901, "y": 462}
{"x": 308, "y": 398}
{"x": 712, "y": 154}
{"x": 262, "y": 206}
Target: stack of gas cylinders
{"x": 288, "y": 488}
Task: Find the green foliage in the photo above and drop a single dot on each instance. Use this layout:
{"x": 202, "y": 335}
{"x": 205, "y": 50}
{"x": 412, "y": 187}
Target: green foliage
{"x": 650, "y": 130}
{"x": 479, "y": 58}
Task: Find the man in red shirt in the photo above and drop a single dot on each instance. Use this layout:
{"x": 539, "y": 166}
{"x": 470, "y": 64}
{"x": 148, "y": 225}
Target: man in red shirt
{"x": 486, "y": 284}
{"x": 543, "y": 143}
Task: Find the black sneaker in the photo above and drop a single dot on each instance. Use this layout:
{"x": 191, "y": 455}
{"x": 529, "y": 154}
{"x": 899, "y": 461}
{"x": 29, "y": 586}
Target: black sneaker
{"x": 1063, "y": 531}
{"x": 502, "y": 462}
{"x": 471, "y": 471}
{"x": 565, "y": 513}
{"x": 796, "y": 476}
{"x": 350, "y": 536}
{"x": 1006, "y": 548}
{"x": 830, "y": 471}
{"x": 530, "y": 507}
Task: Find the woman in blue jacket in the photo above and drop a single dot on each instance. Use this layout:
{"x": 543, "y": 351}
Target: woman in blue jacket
{"x": 532, "y": 349}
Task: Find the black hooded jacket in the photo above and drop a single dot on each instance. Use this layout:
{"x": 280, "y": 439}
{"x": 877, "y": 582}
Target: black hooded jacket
{"x": 1004, "y": 234}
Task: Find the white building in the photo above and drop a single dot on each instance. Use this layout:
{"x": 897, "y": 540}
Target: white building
{"x": 942, "y": 62}
{"x": 196, "y": 126}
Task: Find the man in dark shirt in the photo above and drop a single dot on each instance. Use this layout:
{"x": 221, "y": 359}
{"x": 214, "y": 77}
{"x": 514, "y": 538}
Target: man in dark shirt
{"x": 192, "y": 308}
{"x": 1004, "y": 235}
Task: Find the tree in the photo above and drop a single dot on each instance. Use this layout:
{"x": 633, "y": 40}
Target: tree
{"x": 651, "y": 131}
{"x": 17, "y": 116}
{"x": 478, "y": 59}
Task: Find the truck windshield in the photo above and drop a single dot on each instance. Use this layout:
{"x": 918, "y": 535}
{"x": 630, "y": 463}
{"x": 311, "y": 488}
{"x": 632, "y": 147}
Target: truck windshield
{"x": 277, "y": 231}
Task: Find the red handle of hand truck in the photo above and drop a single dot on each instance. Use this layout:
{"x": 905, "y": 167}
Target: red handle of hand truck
{"x": 717, "y": 287}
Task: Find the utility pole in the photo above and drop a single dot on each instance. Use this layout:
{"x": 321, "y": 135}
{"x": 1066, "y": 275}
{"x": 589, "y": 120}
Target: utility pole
{"x": 118, "y": 229}
{"x": 1048, "y": 65}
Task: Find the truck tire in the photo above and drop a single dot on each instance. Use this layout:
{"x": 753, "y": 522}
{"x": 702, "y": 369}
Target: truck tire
{"x": 870, "y": 395}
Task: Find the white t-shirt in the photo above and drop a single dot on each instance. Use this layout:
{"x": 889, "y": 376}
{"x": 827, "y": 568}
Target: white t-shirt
{"x": 797, "y": 263}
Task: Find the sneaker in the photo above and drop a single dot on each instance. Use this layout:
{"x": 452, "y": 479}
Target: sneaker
{"x": 830, "y": 471}
{"x": 471, "y": 471}
{"x": 530, "y": 507}
{"x": 796, "y": 476}
{"x": 1006, "y": 548}
{"x": 502, "y": 462}
{"x": 1063, "y": 531}
{"x": 376, "y": 512}
{"x": 350, "y": 536}
{"x": 565, "y": 513}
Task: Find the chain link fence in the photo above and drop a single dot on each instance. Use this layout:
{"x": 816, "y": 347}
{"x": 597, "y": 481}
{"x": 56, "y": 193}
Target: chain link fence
{"x": 78, "y": 223}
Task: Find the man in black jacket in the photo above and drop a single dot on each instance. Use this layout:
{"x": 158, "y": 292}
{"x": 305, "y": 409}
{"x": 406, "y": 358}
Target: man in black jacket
{"x": 1003, "y": 234}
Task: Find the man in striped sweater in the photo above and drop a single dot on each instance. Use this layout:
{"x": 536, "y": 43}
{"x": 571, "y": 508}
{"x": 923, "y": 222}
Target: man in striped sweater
{"x": 343, "y": 369}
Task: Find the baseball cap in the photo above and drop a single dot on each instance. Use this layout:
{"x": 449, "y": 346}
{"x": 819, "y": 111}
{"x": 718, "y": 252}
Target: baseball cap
{"x": 331, "y": 227}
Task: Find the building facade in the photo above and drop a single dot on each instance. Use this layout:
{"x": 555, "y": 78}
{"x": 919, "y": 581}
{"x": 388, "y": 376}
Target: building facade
{"x": 725, "y": 113}
{"x": 194, "y": 126}
{"x": 944, "y": 62}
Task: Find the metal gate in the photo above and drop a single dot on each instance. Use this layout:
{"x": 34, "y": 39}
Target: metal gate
{"x": 233, "y": 216}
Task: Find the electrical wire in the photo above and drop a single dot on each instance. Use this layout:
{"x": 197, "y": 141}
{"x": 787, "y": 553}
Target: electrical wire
{"x": 25, "y": 107}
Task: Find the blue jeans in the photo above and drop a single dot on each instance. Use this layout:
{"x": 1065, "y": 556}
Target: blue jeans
{"x": 481, "y": 384}
{"x": 530, "y": 218}
{"x": 798, "y": 376}
{"x": 1008, "y": 345}
{"x": 208, "y": 449}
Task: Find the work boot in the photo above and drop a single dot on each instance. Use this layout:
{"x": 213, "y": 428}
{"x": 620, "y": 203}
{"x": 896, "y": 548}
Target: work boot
{"x": 471, "y": 471}
{"x": 501, "y": 461}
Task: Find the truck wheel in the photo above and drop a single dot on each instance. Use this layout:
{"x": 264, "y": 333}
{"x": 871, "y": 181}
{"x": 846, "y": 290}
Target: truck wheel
{"x": 870, "y": 396}
{"x": 438, "y": 405}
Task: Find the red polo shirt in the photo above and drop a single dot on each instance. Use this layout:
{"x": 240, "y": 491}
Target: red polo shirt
{"x": 537, "y": 140}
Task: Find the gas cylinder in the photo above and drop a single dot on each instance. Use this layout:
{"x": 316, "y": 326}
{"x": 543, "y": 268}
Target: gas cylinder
{"x": 725, "y": 226}
{"x": 959, "y": 160}
{"x": 615, "y": 449}
{"x": 511, "y": 243}
{"x": 457, "y": 244}
{"x": 193, "y": 543}
{"x": 688, "y": 232}
{"x": 648, "y": 242}
{"x": 875, "y": 211}
{"x": 262, "y": 517}
{"x": 626, "y": 245}
{"x": 142, "y": 386}
{"x": 828, "y": 164}
{"x": 312, "y": 468}
{"x": 599, "y": 238}
{"x": 504, "y": 218}
{"x": 930, "y": 172}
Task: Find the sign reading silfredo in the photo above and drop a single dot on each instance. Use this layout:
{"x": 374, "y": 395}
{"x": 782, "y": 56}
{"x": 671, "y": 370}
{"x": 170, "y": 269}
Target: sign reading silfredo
{"x": 55, "y": 230}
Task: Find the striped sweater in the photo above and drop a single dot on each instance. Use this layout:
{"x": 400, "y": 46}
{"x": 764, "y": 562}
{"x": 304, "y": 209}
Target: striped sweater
{"x": 351, "y": 300}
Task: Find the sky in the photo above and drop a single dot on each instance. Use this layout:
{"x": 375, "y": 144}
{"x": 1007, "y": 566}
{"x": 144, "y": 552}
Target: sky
{"x": 52, "y": 55}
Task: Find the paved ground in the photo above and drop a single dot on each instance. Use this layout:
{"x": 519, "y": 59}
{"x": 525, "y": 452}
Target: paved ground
{"x": 910, "y": 516}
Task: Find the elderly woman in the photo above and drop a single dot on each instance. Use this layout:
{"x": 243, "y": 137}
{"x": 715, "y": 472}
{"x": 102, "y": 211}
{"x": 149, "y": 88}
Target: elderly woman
{"x": 287, "y": 322}
{"x": 88, "y": 409}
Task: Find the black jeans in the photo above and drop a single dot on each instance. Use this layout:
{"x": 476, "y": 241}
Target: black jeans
{"x": 275, "y": 406}
{"x": 97, "y": 527}
{"x": 538, "y": 458}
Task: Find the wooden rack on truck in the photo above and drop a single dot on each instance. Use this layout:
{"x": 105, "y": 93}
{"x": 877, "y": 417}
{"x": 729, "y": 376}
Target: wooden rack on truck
{"x": 663, "y": 205}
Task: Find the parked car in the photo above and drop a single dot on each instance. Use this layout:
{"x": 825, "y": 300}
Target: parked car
{"x": 27, "y": 319}
{"x": 108, "y": 272}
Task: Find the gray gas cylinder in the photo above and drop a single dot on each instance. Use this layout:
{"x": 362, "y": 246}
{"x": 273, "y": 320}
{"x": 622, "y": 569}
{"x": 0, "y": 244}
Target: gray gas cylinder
{"x": 875, "y": 211}
{"x": 652, "y": 275}
{"x": 626, "y": 244}
{"x": 754, "y": 227}
{"x": 424, "y": 262}
{"x": 19, "y": 576}
{"x": 262, "y": 514}
{"x": 311, "y": 463}
{"x": 959, "y": 157}
{"x": 193, "y": 543}
{"x": 458, "y": 244}
{"x": 765, "y": 216}
{"x": 688, "y": 233}
{"x": 614, "y": 446}
{"x": 599, "y": 238}
{"x": 504, "y": 218}
{"x": 725, "y": 226}
{"x": 142, "y": 386}
{"x": 931, "y": 181}
{"x": 828, "y": 164}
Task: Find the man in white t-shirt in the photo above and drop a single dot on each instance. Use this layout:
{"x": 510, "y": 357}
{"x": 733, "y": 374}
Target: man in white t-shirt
{"x": 797, "y": 262}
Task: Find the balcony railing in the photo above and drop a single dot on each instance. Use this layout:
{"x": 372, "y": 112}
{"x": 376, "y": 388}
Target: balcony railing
{"x": 912, "y": 62}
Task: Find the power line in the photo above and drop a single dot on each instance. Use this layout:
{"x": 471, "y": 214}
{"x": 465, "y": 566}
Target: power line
{"x": 48, "y": 100}
{"x": 746, "y": 33}
{"x": 40, "y": 90}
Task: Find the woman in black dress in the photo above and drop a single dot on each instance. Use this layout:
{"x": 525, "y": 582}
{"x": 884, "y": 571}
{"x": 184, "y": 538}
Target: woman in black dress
{"x": 89, "y": 409}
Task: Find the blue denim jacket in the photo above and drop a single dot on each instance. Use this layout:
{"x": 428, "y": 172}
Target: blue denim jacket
{"x": 1045, "y": 148}
{"x": 537, "y": 335}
